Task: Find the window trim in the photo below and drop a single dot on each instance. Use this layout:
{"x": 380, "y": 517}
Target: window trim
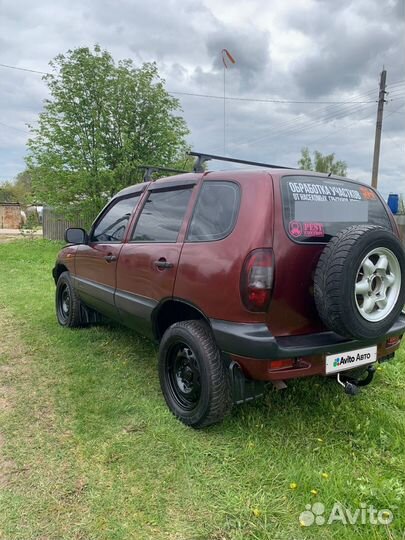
{"x": 235, "y": 220}
{"x": 158, "y": 188}
{"x": 106, "y": 209}
{"x": 172, "y": 185}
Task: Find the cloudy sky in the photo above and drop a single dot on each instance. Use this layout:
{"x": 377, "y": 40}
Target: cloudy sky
{"x": 291, "y": 57}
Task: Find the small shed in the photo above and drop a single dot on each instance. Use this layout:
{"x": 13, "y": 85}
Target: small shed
{"x": 10, "y": 215}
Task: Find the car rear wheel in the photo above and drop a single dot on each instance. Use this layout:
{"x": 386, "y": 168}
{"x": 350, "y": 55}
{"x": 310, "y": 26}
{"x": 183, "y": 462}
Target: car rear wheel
{"x": 67, "y": 302}
{"x": 359, "y": 283}
{"x": 193, "y": 377}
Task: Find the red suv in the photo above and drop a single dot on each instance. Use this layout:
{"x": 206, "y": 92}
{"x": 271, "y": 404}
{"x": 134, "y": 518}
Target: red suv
{"x": 243, "y": 277}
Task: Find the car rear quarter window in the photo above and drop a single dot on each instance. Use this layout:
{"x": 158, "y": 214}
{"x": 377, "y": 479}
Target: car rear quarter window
{"x": 112, "y": 224}
{"x": 162, "y": 216}
{"x": 215, "y": 211}
{"x": 315, "y": 209}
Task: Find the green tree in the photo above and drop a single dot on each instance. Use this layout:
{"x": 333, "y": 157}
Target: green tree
{"x": 23, "y": 183}
{"x": 8, "y": 192}
{"x": 17, "y": 190}
{"x": 101, "y": 122}
{"x": 321, "y": 163}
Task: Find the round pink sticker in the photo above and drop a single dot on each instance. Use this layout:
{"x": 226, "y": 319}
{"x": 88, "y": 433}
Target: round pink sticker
{"x": 295, "y": 228}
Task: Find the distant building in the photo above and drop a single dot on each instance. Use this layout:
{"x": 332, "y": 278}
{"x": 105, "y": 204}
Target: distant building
{"x": 10, "y": 216}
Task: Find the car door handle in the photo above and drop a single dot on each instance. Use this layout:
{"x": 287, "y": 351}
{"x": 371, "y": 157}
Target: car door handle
{"x": 162, "y": 264}
{"x": 110, "y": 258}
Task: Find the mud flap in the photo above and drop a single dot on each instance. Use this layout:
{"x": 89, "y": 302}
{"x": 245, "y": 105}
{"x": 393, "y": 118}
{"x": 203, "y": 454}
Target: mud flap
{"x": 89, "y": 316}
{"x": 244, "y": 389}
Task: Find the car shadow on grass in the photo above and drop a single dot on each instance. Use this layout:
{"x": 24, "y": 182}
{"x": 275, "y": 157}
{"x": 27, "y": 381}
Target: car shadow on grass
{"x": 310, "y": 406}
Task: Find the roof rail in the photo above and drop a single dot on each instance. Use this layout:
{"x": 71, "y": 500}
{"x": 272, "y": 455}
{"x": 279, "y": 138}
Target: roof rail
{"x": 202, "y": 158}
{"x": 149, "y": 170}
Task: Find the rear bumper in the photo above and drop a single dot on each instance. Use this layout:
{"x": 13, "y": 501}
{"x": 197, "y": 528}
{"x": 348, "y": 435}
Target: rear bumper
{"x": 256, "y": 341}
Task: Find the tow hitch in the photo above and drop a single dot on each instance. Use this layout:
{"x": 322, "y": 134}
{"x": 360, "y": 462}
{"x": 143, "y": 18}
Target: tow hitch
{"x": 352, "y": 385}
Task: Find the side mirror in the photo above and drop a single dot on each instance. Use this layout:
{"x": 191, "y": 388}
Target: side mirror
{"x": 76, "y": 236}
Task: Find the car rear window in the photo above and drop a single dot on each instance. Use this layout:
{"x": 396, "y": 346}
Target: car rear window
{"x": 315, "y": 209}
{"x": 215, "y": 212}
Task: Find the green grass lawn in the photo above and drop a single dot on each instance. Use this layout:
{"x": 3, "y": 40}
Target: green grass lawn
{"x": 90, "y": 451}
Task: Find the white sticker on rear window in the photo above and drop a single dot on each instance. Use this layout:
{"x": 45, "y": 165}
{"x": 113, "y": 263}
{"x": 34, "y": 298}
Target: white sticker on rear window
{"x": 316, "y": 208}
{"x": 305, "y": 191}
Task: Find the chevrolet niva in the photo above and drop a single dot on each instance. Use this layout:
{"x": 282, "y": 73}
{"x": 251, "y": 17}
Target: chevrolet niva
{"x": 243, "y": 277}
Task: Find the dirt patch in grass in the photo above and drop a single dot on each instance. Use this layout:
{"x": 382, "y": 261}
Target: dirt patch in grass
{"x": 4, "y": 238}
{"x": 42, "y": 485}
{"x": 14, "y": 361}
{"x": 22, "y": 234}
{"x": 7, "y": 466}
{"x": 10, "y": 348}
{"x": 15, "y": 377}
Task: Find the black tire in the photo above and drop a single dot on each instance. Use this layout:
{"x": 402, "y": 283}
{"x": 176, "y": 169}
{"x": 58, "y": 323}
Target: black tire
{"x": 193, "y": 377}
{"x": 67, "y": 302}
{"x": 337, "y": 276}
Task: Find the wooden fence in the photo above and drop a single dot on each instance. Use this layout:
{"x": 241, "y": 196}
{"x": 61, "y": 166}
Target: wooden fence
{"x": 54, "y": 225}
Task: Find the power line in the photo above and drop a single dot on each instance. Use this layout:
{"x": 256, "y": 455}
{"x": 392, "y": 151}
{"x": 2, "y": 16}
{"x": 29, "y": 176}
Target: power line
{"x": 12, "y": 127}
{"x": 320, "y": 114}
{"x": 398, "y": 97}
{"x": 335, "y": 113}
{"x": 395, "y": 90}
{"x": 296, "y": 126}
{"x": 212, "y": 96}
{"x": 398, "y": 110}
{"x": 395, "y": 111}
{"x": 47, "y": 73}
{"x": 286, "y": 127}
{"x": 332, "y": 112}
{"x": 363, "y": 117}
{"x": 397, "y": 82}
{"x": 24, "y": 69}
{"x": 231, "y": 98}
{"x": 262, "y": 100}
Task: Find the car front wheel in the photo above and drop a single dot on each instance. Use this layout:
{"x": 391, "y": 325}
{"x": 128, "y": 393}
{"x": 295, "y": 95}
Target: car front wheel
{"x": 67, "y": 302}
{"x": 193, "y": 377}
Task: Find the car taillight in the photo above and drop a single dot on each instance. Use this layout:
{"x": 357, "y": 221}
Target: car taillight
{"x": 282, "y": 364}
{"x": 257, "y": 279}
{"x": 391, "y": 341}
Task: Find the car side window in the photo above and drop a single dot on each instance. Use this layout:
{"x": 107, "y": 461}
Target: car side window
{"x": 111, "y": 226}
{"x": 215, "y": 212}
{"x": 162, "y": 216}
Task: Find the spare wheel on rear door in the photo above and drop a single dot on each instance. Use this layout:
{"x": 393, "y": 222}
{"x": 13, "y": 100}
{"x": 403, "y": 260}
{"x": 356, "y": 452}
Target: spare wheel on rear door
{"x": 359, "y": 283}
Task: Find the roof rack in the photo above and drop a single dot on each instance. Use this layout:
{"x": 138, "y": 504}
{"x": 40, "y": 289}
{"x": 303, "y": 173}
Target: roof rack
{"x": 202, "y": 158}
{"x": 149, "y": 170}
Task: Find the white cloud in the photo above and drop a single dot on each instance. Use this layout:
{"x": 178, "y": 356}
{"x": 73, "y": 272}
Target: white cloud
{"x": 296, "y": 50}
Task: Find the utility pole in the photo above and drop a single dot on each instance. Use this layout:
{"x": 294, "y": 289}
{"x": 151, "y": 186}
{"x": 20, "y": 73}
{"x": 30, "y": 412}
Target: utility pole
{"x": 378, "y": 128}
